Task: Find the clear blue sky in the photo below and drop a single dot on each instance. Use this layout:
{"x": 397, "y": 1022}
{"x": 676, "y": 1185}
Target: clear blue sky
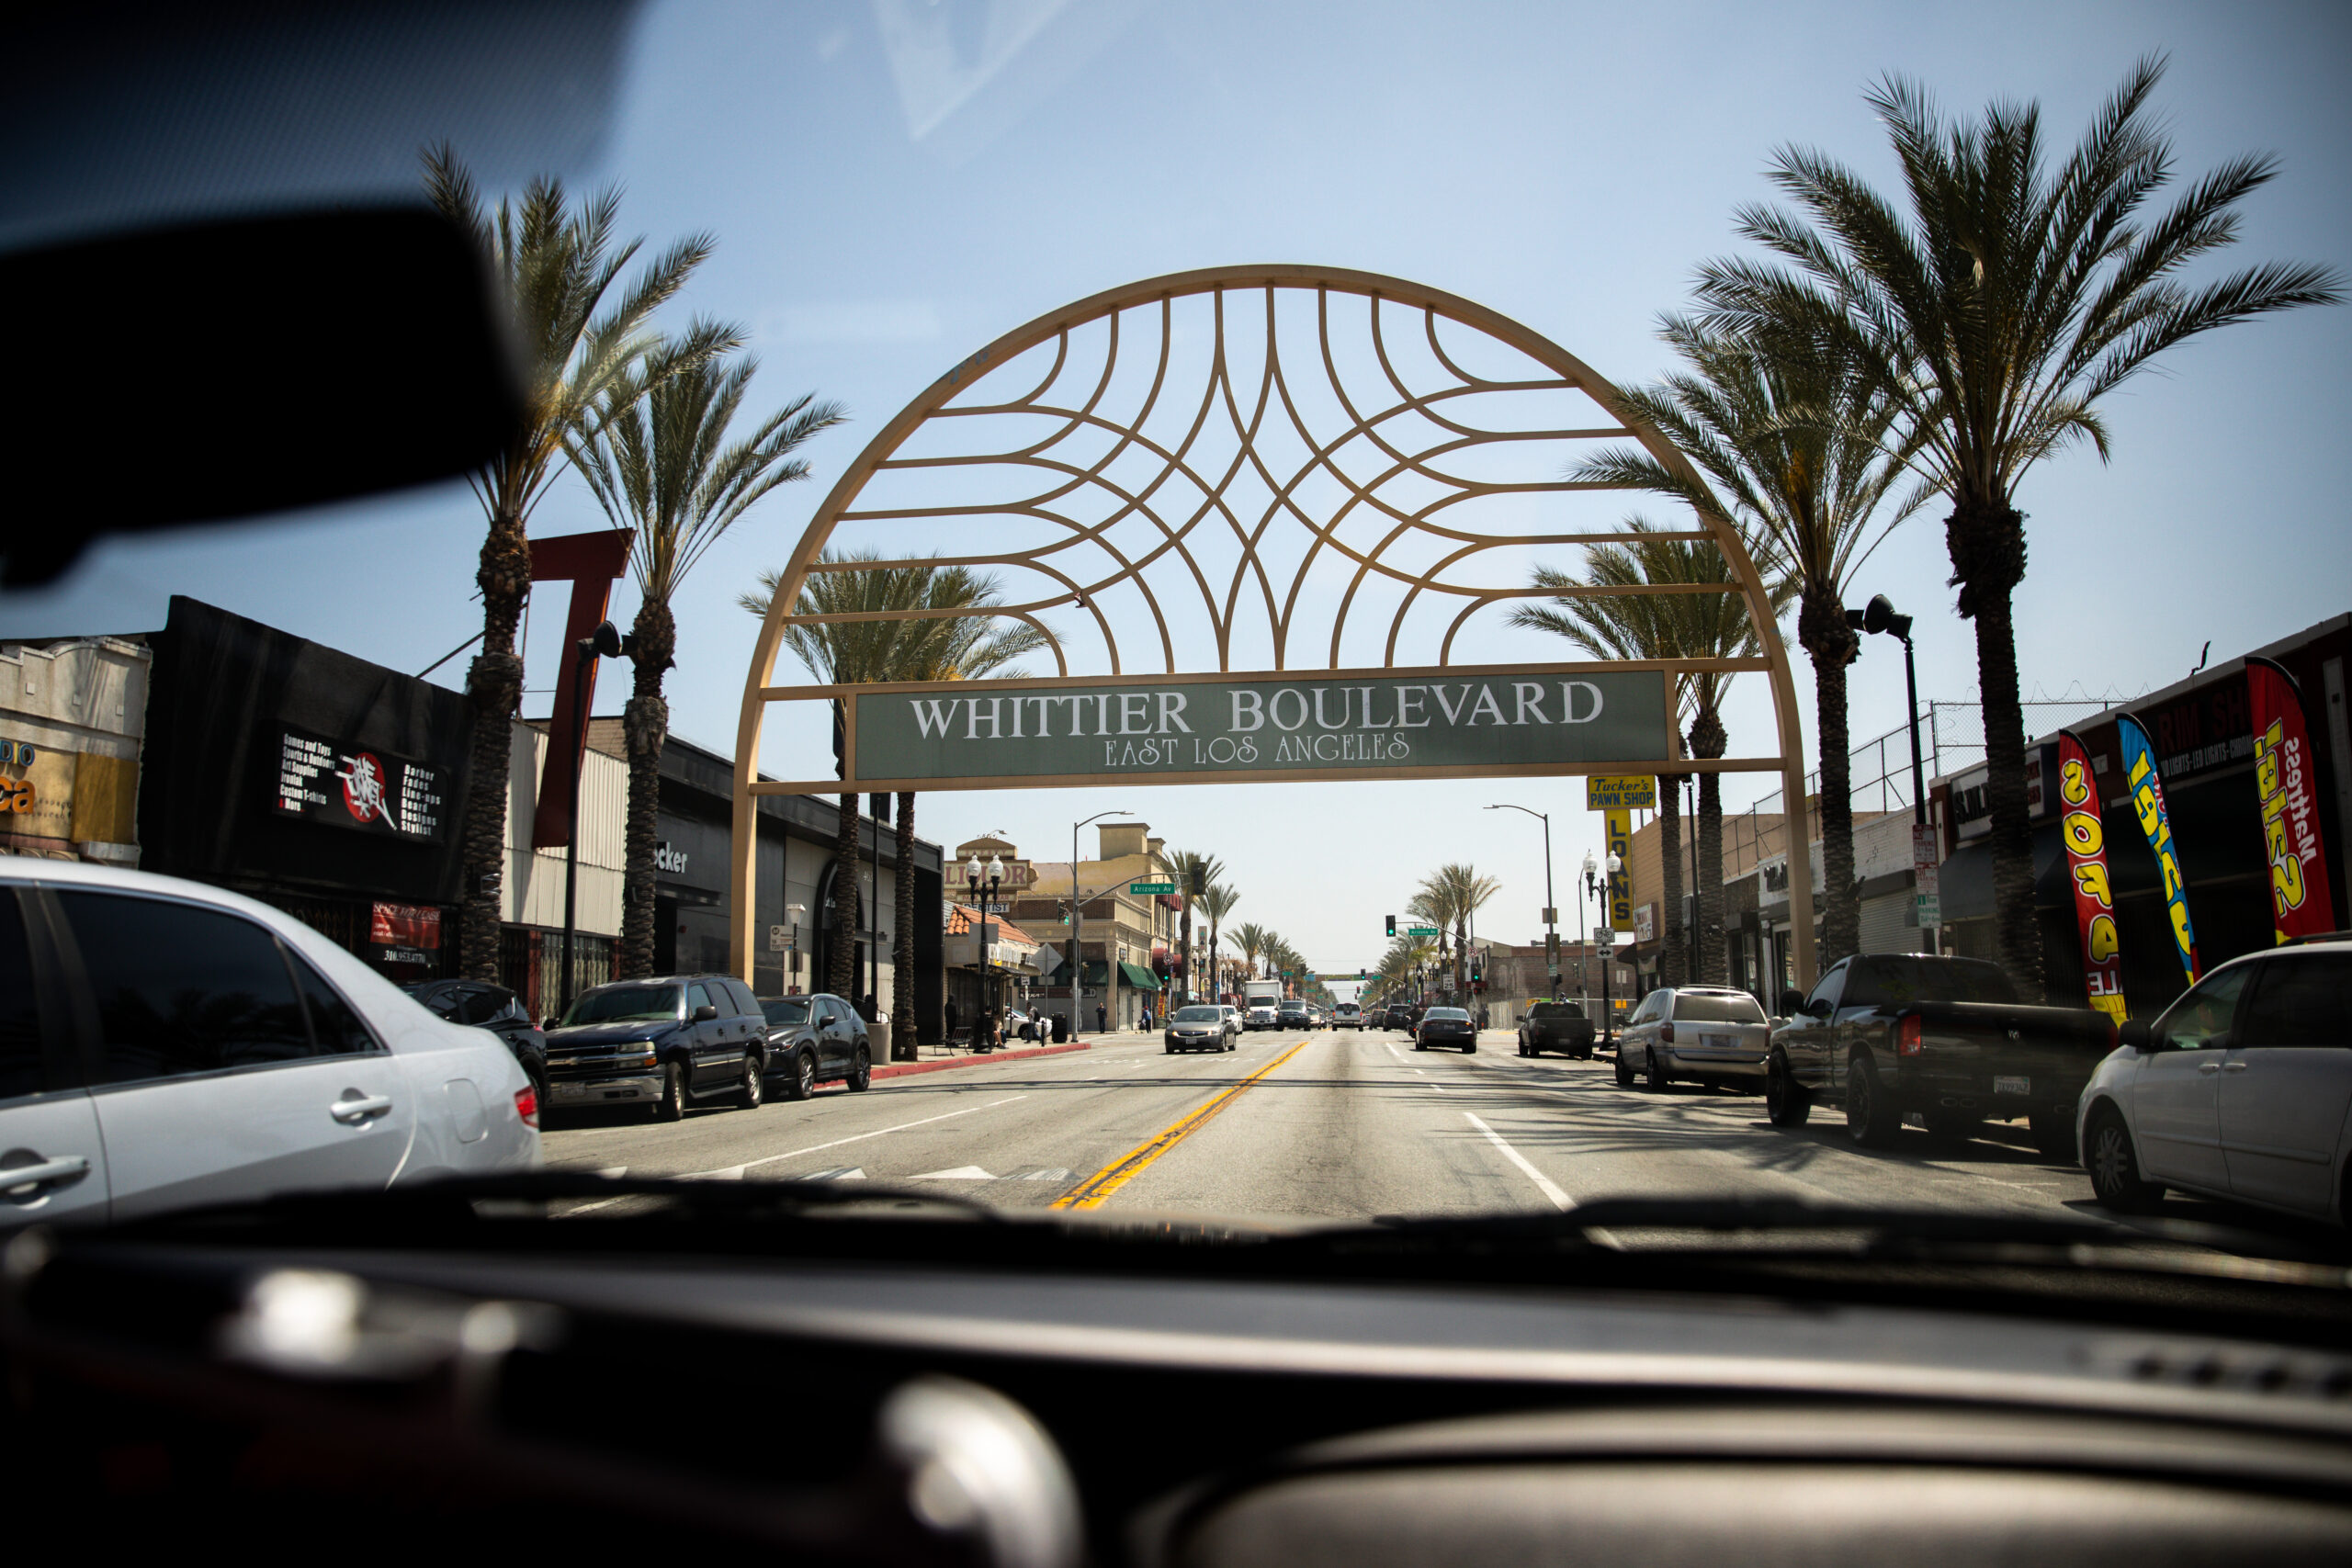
{"x": 895, "y": 184}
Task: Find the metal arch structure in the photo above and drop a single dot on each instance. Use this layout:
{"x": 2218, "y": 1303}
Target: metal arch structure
{"x": 1132, "y": 514}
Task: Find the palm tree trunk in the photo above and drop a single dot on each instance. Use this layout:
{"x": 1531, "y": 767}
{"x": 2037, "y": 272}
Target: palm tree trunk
{"x": 1674, "y": 947}
{"x": 1822, "y": 629}
{"x": 840, "y": 958}
{"x": 1184, "y": 950}
{"x": 494, "y": 688}
{"x": 1987, "y": 541}
{"x": 903, "y": 1035}
{"x": 1707, "y": 739}
{"x": 652, "y": 639}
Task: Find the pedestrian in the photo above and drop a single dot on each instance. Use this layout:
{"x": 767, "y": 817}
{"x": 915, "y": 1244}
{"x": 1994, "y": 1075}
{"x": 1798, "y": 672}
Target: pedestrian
{"x": 1101, "y": 1019}
{"x": 951, "y": 1020}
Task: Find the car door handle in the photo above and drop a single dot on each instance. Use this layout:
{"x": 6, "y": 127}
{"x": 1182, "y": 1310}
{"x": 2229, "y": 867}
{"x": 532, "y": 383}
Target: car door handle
{"x": 2208, "y": 1066}
{"x": 2234, "y": 1067}
{"x": 351, "y": 1113}
{"x": 64, "y": 1168}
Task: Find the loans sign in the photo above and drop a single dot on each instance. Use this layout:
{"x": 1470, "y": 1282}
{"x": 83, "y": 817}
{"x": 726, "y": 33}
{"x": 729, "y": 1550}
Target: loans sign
{"x": 1337, "y": 724}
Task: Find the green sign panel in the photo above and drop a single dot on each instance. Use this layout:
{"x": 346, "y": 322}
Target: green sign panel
{"x": 1422, "y": 930}
{"x": 1333, "y": 725}
{"x": 1151, "y": 887}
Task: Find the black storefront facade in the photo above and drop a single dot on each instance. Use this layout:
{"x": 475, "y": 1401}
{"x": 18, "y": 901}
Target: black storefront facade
{"x": 2202, "y": 733}
{"x": 307, "y": 779}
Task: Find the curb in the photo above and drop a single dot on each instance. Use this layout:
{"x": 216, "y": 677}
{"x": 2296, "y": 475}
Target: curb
{"x": 902, "y": 1070}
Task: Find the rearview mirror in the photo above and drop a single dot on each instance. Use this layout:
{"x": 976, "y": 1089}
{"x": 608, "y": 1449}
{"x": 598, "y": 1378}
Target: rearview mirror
{"x": 704, "y": 1014}
{"x": 1791, "y": 1003}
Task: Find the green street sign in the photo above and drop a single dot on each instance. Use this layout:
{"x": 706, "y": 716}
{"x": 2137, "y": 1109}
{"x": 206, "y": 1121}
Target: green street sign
{"x": 1422, "y": 930}
{"x": 1151, "y": 887}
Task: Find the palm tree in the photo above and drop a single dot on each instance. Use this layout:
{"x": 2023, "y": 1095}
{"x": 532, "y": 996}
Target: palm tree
{"x": 1799, "y": 443}
{"x": 1671, "y": 625}
{"x": 1217, "y": 903}
{"x": 554, "y": 265}
{"x": 1190, "y": 867}
{"x": 939, "y": 647}
{"x": 1251, "y": 939}
{"x": 1450, "y": 896}
{"x": 1997, "y": 306}
{"x": 659, "y": 463}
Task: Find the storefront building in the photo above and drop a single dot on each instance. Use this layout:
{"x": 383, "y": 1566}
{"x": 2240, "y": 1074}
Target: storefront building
{"x": 72, "y": 713}
{"x": 1127, "y": 939}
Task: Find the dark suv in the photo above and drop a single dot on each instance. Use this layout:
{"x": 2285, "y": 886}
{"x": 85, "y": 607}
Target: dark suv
{"x": 493, "y": 1008}
{"x": 1555, "y": 1026}
{"x": 1294, "y": 1015}
{"x": 666, "y": 1042}
{"x": 813, "y": 1040}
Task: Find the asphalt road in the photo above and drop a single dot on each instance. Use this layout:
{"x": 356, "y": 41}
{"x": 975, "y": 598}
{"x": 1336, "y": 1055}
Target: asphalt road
{"x": 1333, "y": 1124}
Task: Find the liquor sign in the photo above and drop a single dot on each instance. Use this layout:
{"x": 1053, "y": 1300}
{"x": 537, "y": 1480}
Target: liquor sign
{"x": 373, "y": 792}
{"x": 405, "y": 934}
{"x": 2144, "y": 778}
{"x": 2084, "y": 834}
{"x": 1607, "y": 793}
{"x": 2299, "y": 903}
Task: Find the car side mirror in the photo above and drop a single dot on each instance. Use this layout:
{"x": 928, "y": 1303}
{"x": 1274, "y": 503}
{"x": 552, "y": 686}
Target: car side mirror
{"x": 1791, "y": 1003}
{"x": 2134, "y": 1032}
{"x": 704, "y": 1014}
{"x": 549, "y": 1022}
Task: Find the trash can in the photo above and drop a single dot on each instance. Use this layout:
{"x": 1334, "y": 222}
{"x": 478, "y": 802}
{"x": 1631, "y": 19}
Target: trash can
{"x": 1061, "y": 1028}
{"x": 879, "y": 1043}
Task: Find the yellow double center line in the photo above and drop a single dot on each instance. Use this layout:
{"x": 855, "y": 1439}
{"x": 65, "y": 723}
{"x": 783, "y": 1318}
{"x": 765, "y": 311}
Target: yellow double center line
{"x": 1091, "y": 1192}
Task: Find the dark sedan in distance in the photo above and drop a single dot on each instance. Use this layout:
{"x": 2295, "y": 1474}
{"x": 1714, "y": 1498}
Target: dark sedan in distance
{"x": 496, "y": 1009}
{"x": 813, "y": 1040}
{"x": 1201, "y": 1028}
{"x": 1446, "y": 1026}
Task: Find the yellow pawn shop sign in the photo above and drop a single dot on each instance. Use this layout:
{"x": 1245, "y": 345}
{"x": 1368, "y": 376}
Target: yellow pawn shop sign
{"x": 1634, "y": 793}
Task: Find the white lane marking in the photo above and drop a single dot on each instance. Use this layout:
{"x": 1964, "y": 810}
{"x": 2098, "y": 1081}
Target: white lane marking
{"x": 1544, "y": 1183}
{"x": 839, "y": 1173}
{"x": 614, "y": 1172}
{"x": 733, "y": 1173}
{"x": 861, "y": 1137}
{"x": 961, "y": 1173}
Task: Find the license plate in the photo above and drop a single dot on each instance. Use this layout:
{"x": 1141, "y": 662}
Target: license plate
{"x": 571, "y": 1091}
{"x": 2005, "y": 1085}
{"x": 1719, "y": 1042}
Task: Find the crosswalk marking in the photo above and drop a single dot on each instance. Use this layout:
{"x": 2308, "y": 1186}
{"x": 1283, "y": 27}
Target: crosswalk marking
{"x": 961, "y": 1173}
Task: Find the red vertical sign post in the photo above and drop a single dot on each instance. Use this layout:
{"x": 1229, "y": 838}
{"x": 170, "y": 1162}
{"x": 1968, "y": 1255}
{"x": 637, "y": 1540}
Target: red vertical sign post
{"x": 2300, "y": 902}
{"x": 2085, "y": 832}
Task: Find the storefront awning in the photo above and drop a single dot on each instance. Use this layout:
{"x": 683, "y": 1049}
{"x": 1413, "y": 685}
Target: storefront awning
{"x": 1141, "y": 978}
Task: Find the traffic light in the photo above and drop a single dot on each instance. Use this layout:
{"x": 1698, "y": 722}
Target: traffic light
{"x": 1360, "y": 975}
{"x": 1199, "y": 885}
{"x": 1392, "y": 925}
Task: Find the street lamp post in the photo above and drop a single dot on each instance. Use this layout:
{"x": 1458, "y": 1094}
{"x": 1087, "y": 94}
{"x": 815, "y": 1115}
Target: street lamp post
{"x": 604, "y": 642}
{"x": 989, "y": 878}
{"x": 1878, "y": 615}
{"x": 1077, "y": 958}
{"x": 1597, "y": 887}
{"x": 1551, "y": 912}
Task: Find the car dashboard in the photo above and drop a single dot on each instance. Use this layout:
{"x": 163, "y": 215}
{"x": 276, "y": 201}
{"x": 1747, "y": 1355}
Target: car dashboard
{"x": 1128, "y": 1406}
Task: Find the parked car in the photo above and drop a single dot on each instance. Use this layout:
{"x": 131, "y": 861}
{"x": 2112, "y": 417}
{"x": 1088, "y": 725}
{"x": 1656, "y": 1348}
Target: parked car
{"x": 165, "y": 1045}
{"x": 1555, "y": 1026}
{"x": 2242, "y": 1089}
{"x": 485, "y": 1006}
{"x": 1709, "y": 1034}
{"x": 1261, "y": 1015}
{"x": 1200, "y": 1028}
{"x": 1294, "y": 1014}
{"x": 1446, "y": 1026}
{"x": 665, "y": 1042}
{"x": 816, "y": 1039}
{"x": 1886, "y": 1034}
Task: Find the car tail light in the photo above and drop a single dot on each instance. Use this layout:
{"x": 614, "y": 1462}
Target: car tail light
{"x": 526, "y": 1105}
{"x": 1666, "y": 1032}
{"x": 1908, "y": 1034}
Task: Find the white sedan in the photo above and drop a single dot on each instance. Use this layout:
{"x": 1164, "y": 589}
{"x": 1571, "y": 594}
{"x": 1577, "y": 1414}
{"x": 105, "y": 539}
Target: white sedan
{"x": 165, "y": 1045}
{"x": 2242, "y": 1089}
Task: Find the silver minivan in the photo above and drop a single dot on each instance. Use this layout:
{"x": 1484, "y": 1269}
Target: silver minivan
{"x": 1709, "y": 1034}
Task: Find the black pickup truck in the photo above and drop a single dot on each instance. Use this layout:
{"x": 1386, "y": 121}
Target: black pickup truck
{"x": 1889, "y": 1034}
{"x": 1555, "y": 1026}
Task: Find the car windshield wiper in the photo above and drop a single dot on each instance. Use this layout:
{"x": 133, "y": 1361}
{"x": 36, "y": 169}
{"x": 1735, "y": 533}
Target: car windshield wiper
{"x": 1742, "y": 1224}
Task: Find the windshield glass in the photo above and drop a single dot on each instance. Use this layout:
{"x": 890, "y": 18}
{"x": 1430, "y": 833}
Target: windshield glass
{"x": 625, "y": 1004}
{"x": 1700, "y": 1008}
{"x": 1244, "y": 628}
